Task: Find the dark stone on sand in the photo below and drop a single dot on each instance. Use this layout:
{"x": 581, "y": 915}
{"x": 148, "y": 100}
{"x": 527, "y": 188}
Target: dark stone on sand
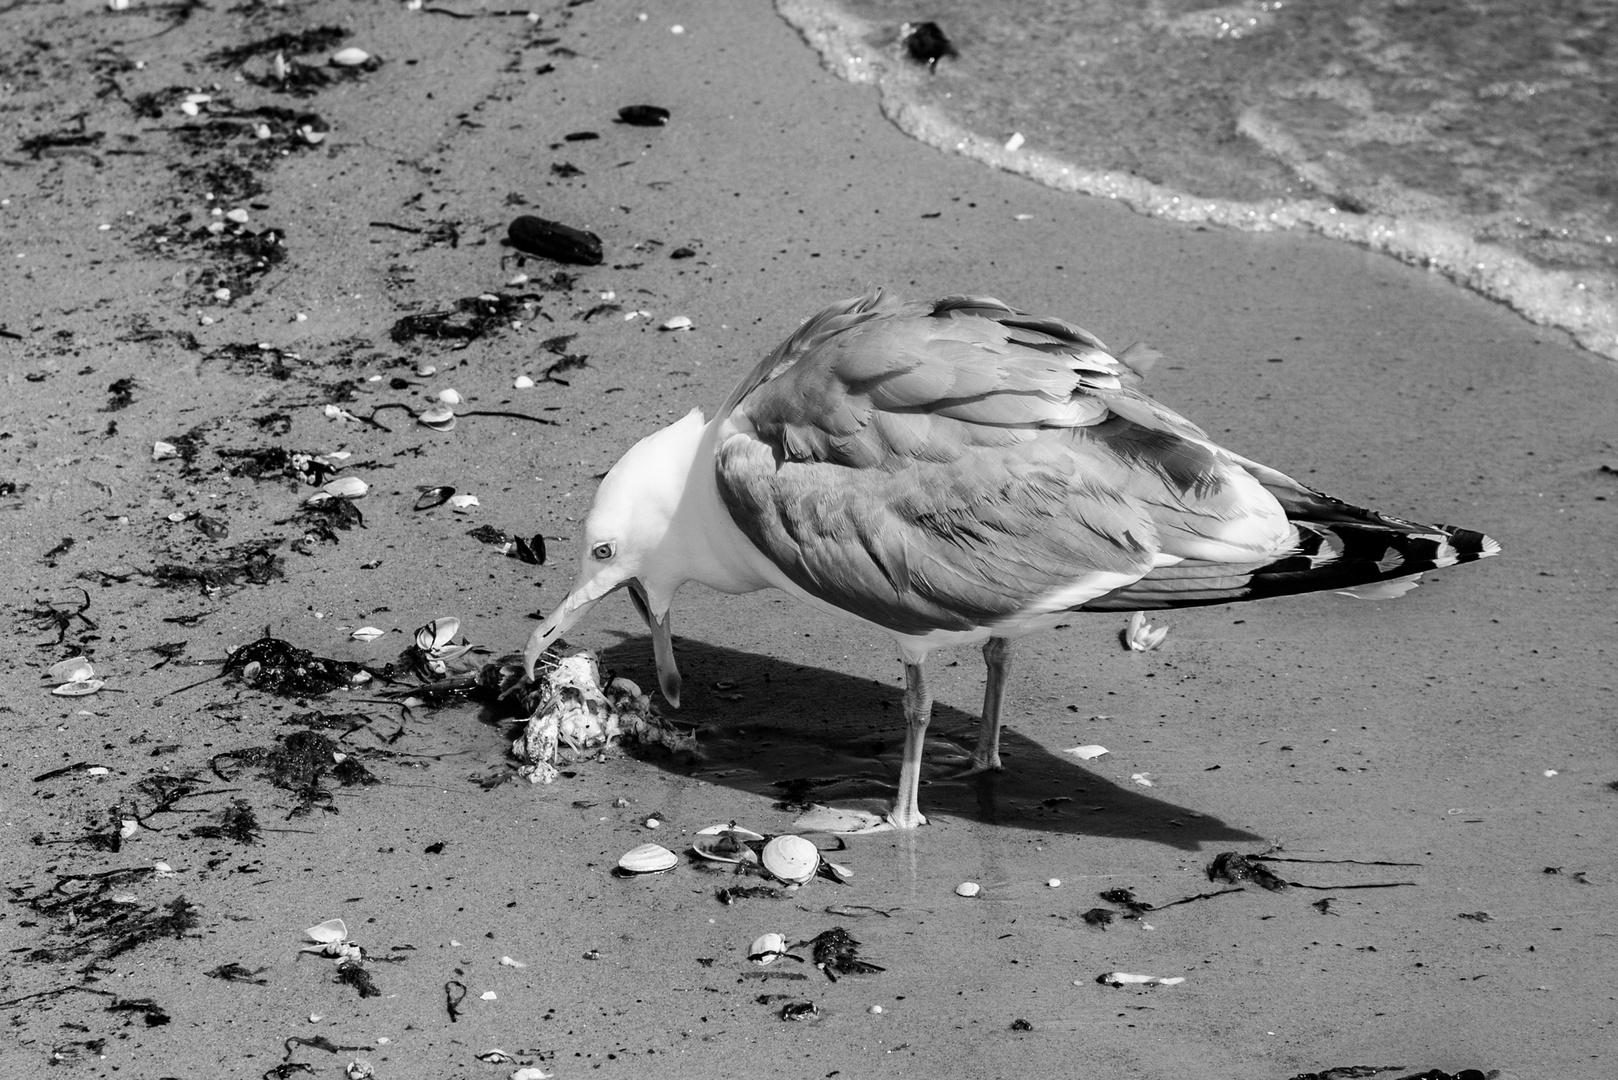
{"x": 553, "y": 240}
{"x": 643, "y": 115}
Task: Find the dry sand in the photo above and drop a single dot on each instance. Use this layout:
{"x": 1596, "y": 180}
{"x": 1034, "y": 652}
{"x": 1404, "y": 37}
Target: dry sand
{"x": 1465, "y": 730}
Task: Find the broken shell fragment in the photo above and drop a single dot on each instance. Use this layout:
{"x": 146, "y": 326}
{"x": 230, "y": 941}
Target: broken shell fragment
{"x": 1142, "y": 636}
{"x": 678, "y": 322}
{"x": 767, "y": 949}
{"x": 439, "y": 418}
{"x": 162, "y": 450}
{"x": 77, "y": 669}
{"x": 791, "y": 858}
{"x": 463, "y": 502}
{"x": 553, "y": 240}
{"x": 434, "y": 496}
{"x": 1124, "y": 978}
{"x": 438, "y": 633}
{"x": 349, "y": 57}
{"x": 647, "y": 859}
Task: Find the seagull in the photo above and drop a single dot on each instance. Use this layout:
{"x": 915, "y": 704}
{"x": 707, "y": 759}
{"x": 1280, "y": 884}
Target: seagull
{"x": 960, "y": 472}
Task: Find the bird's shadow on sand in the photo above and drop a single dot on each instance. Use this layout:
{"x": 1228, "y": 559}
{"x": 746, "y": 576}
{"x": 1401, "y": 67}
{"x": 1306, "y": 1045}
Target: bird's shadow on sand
{"x": 797, "y": 734}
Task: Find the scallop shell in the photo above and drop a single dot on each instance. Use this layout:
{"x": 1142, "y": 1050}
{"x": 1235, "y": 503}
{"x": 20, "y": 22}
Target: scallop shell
{"x": 767, "y": 949}
{"x": 438, "y": 633}
{"x": 77, "y": 669}
{"x": 726, "y": 843}
{"x": 792, "y": 859}
{"x": 648, "y": 859}
{"x": 439, "y": 418}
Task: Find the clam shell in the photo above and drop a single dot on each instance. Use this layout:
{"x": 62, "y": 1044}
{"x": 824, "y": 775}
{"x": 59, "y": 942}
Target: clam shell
{"x": 346, "y": 487}
{"x": 77, "y": 669}
{"x": 439, "y": 418}
{"x": 791, "y": 858}
{"x": 767, "y": 949}
{"x": 450, "y": 397}
{"x": 648, "y": 859}
{"x": 434, "y": 496}
{"x": 350, "y": 57}
{"x": 725, "y": 843}
{"x": 367, "y": 633}
{"x": 78, "y": 688}
{"x": 968, "y": 889}
{"x": 438, "y": 633}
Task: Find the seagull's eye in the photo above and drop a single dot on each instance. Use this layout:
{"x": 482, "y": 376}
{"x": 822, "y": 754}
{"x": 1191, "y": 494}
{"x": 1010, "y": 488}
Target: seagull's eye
{"x": 601, "y": 552}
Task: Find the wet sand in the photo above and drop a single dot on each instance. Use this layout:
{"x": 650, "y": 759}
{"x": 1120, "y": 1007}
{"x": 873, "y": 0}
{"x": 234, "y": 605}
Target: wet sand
{"x": 1462, "y": 732}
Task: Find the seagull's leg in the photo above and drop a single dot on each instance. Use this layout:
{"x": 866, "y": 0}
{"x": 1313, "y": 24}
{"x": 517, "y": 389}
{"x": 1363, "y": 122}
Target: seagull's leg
{"x": 986, "y": 757}
{"x": 918, "y": 707}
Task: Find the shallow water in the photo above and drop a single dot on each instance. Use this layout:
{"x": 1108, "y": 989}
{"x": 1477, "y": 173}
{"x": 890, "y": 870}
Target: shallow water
{"x": 1474, "y": 137}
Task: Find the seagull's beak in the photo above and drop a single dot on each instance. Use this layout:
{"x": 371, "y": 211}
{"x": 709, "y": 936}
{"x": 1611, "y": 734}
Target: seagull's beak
{"x": 668, "y": 673}
{"x": 557, "y": 623}
{"x": 578, "y": 603}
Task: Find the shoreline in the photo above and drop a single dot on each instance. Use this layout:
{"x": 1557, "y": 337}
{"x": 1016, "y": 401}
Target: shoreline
{"x": 1416, "y": 731}
{"x": 1581, "y": 304}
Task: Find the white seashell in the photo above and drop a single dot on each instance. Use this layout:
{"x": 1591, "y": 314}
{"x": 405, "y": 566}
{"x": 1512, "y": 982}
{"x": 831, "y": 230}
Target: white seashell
{"x": 1014, "y": 143}
{"x": 1055, "y": 883}
{"x": 648, "y": 859}
{"x": 1086, "y": 752}
{"x": 97, "y": 770}
{"x": 679, "y": 322}
{"x": 967, "y": 888}
{"x": 438, "y": 633}
{"x": 238, "y": 215}
{"x": 462, "y": 502}
{"x": 221, "y": 294}
{"x": 450, "y": 397}
{"x": 262, "y": 131}
{"x": 367, "y": 633}
{"x": 839, "y": 871}
{"x": 162, "y": 450}
{"x": 77, "y": 669}
{"x": 79, "y": 688}
{"x": 767, "y": 949}
{"x": 726, "y": 843}
{"x": 439, "y": 418}
{"x": 652, "y": 823}
{"x": 350, "y": 57}
{"x": 346, "y": 487}
{"x": 427, "y": 369}
{"x": 311, "y": 135}
{"x": 1124, "y": 978}
{"x": 117, "y": 5}
{"x": 490, "y": 995}
{"x": 506, "y": 961}
{"x": 129, "y": 827}
{"x": 522, "y": 382}
{"x": 791, "y": 858}
{"x": 280, "y": 67}
{"x": 190, "y": 108}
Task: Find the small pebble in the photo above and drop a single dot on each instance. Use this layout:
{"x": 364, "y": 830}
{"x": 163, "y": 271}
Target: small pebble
{"x": 1055, "y": 883}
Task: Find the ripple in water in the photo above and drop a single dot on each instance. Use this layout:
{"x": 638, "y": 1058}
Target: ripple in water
{"x": 1473, "y": 137}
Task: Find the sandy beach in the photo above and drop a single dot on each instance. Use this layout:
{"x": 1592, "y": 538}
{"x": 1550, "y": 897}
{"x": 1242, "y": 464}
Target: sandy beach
{"x": 1442, "y": 766}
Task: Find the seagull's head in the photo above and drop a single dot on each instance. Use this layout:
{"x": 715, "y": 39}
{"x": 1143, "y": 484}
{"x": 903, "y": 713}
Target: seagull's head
{"x": 628, "y": 543}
